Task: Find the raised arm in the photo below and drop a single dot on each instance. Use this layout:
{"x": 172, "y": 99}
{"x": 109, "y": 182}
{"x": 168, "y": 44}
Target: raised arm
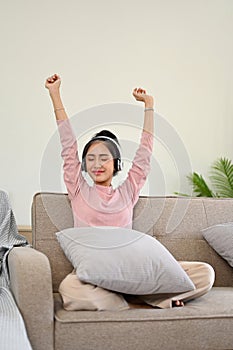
{"x": 141, "y": 95}
{"x": 141, "y": 163}
{"x": 53, "y": 84}
{"x": 72, "y": 164}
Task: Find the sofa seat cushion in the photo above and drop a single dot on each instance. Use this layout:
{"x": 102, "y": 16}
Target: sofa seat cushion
{"x": 217, "y": 303}
{"x": 200, "y": 319}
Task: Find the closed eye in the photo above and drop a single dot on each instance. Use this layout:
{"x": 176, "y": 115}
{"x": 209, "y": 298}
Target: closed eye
{"x": 104, "y": 159}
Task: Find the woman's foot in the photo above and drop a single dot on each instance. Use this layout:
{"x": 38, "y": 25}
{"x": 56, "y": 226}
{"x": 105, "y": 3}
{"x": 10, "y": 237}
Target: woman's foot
{"x": 177, "y": 303}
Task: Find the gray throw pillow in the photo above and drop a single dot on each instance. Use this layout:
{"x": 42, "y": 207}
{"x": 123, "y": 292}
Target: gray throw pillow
{"x": 220, "y": 238}
{"x": 123, "y": 260}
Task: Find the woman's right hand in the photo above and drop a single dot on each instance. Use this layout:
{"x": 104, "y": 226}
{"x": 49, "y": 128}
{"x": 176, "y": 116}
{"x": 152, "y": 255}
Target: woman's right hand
{"x": 53, "y": 83}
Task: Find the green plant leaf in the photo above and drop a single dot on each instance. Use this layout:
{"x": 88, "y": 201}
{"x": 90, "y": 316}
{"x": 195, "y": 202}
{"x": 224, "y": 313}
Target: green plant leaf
{"x": 222, "y": 177}
{"x": 200, "y": 187}
{"x": 181, "y": 194}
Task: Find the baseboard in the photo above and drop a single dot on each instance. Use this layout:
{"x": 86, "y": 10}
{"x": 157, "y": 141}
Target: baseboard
{"x": 26, "y": 231}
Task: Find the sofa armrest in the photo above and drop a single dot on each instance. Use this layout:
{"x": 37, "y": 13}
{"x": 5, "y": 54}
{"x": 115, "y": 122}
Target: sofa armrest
{"x": 31, "y": 285}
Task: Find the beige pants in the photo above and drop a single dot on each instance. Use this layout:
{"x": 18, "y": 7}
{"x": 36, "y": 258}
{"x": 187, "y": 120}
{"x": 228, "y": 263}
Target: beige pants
{"x": 77, "y": 295}
{"x": 202, "y": 275}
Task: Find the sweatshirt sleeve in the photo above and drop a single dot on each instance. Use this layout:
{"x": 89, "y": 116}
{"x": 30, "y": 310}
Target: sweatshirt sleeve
{"x": 140, "y": 167}
{"x": 71, "y": 163}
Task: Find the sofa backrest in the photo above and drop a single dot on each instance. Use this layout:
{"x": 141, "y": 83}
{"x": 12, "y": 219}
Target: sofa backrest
{"x": 175, "y": 221}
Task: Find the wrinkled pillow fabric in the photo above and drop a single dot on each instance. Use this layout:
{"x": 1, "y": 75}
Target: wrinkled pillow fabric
{"x": 77, "y": 295}
{"x": 220, "y": 238}
{"x": 123, "y": 260}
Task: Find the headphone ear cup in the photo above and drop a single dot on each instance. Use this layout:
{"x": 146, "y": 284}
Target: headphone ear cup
{"x": 119, "y": 164}
{"x": 83, "y": 166}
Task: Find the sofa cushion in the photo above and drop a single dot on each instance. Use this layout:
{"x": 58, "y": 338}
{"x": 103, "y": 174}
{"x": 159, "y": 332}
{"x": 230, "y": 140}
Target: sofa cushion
{"x": 123, "y": 260}
{"x": 220, "y": 238}
{"x": 203, "y": 323}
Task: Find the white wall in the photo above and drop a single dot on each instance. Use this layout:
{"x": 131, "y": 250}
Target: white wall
{"x": 179, "y": 50}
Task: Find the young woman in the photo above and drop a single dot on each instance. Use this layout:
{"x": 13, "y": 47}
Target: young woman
{"x": 100, "y": 204}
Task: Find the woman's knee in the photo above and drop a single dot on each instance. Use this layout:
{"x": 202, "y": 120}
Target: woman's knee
{"x": 201, "y": 273}
{"x": 208, "y": 274}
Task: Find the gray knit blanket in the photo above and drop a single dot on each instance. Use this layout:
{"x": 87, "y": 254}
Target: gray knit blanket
{"x": 13, "y": 334}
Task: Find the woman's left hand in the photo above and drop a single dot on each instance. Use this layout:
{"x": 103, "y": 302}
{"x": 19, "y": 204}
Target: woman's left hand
{"x": 141, "y": 95}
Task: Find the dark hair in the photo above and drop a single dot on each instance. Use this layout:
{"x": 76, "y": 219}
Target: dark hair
{"x": 111, "y": 142}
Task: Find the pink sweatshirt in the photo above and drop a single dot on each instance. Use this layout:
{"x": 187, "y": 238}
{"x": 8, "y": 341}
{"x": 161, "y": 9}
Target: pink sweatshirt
{"x": 102, "y": 205}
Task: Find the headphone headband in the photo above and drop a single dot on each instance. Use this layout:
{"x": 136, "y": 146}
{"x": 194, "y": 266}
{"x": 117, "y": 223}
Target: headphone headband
{"x": 107, "y": 138}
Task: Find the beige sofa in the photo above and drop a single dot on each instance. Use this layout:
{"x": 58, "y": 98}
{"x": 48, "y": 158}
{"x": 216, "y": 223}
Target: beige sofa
{"x": 204, "y": 323}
